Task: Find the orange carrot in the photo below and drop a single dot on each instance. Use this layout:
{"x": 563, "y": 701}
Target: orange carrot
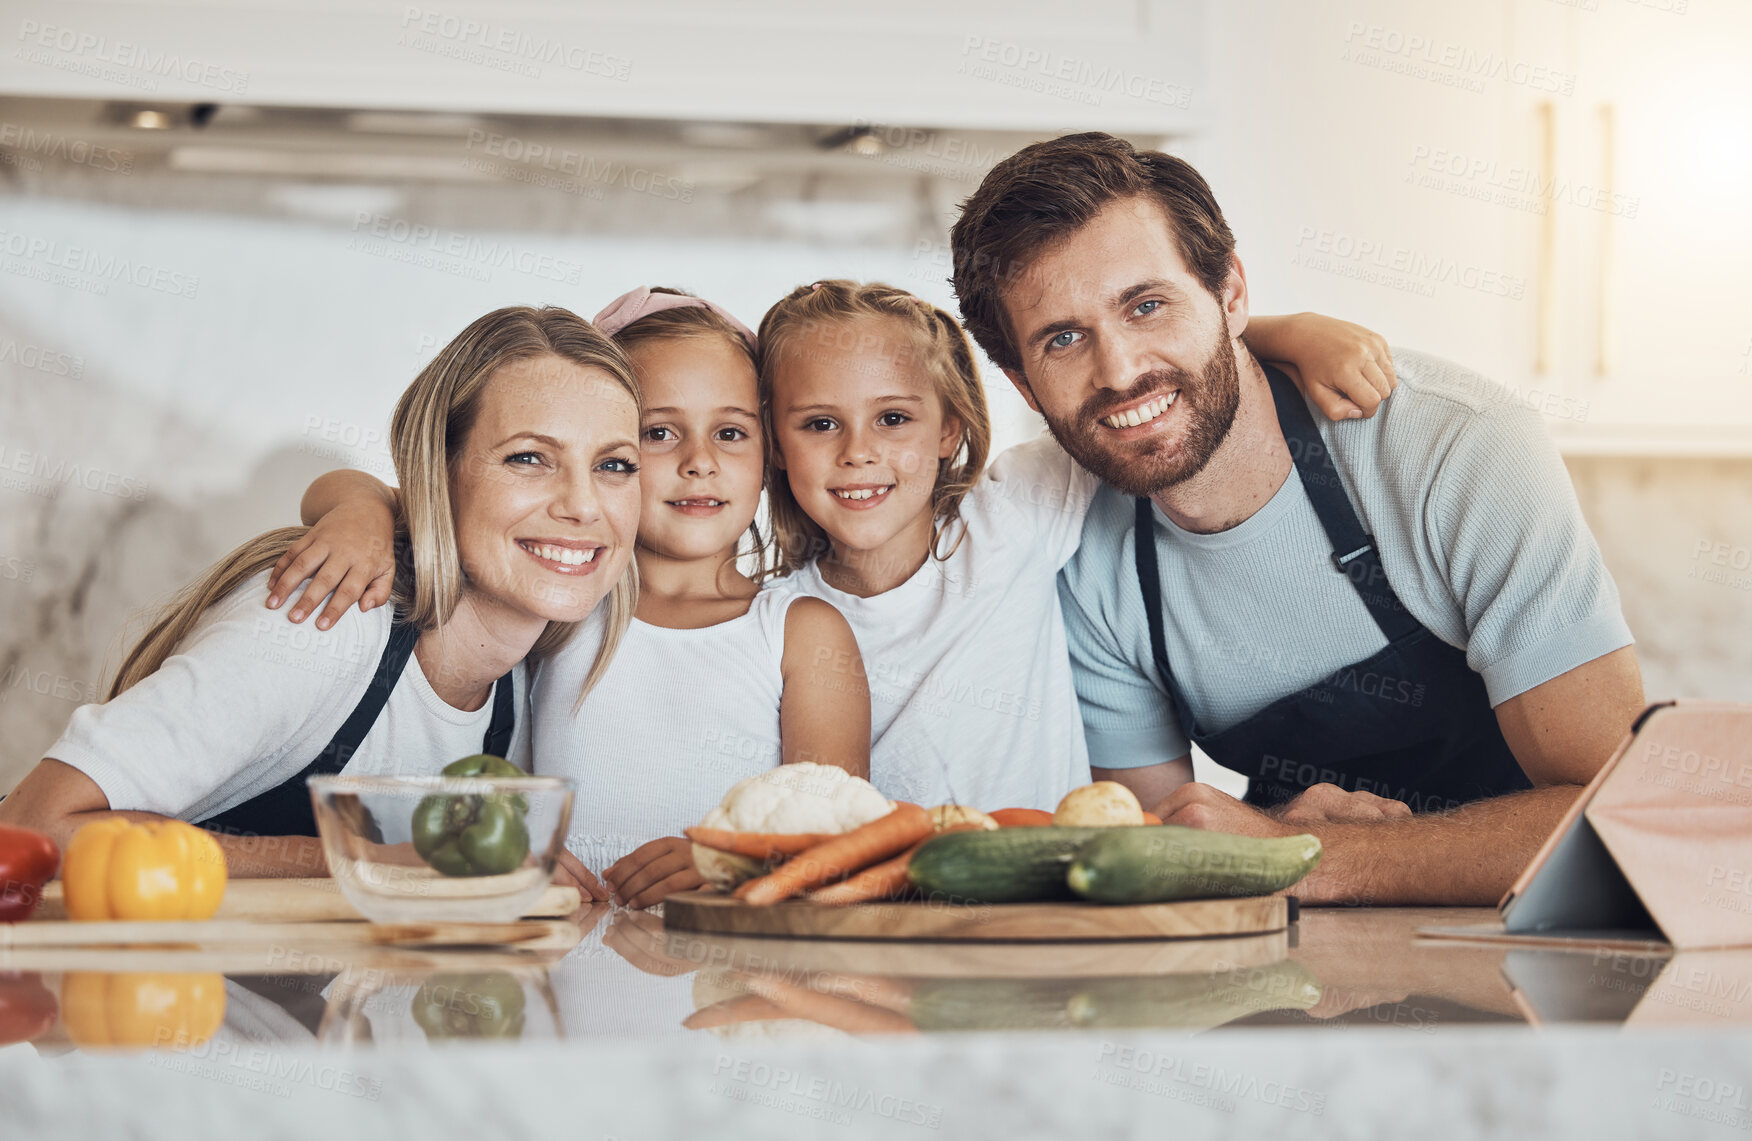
{"x": 755, "y": 845}
{"x": 840, "y": 856}
{"x": 879, "y": 881}
{"x": 742, "y": 1008}
{"x": 1152, "y": 818}
{"x": 1021, "y": 818}
{"x": 846, "y": 1014}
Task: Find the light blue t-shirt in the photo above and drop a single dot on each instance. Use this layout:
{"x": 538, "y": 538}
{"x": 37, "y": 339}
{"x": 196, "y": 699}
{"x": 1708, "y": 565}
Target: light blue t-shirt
{"x": 1478, "y": 529}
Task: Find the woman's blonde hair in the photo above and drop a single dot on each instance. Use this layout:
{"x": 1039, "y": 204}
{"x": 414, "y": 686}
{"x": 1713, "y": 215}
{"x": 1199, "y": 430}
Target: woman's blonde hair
{"x": 932, "y": 341}
{"x": 431, "y": 424}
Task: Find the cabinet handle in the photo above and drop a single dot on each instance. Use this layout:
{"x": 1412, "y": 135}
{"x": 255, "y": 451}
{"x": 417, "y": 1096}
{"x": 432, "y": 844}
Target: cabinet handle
{"x": 1547, "y": 294}
{"x": 1603, "y": 316}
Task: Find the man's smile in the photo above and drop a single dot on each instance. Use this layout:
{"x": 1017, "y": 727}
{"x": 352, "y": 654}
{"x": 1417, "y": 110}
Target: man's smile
{"x": 1142, "y": 413}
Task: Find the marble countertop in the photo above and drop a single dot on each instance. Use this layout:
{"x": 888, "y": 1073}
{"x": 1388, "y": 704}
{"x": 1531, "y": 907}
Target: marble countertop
{"x": 1349, "y": 1025}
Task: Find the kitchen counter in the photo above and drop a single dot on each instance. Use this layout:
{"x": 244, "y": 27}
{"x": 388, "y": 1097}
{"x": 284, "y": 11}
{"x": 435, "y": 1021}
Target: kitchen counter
{"x": 637, "y": 1032}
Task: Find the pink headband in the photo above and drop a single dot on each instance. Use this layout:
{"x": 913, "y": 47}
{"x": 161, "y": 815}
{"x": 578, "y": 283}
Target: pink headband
{"x": 641, "y": 302}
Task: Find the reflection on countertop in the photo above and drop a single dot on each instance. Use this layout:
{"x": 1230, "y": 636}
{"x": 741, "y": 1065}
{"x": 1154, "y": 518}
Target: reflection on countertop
{"x": 629, "y": 977}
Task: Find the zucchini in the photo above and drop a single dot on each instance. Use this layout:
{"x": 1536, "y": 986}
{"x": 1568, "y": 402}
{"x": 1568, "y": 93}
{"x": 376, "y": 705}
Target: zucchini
{"x": 1011, "y": 865}
{"x": 1159, "y": 863}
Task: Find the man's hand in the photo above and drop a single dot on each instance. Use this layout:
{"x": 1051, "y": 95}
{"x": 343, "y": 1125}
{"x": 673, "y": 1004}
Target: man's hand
{"x": 1328, "y": 803}
{"x": 569, "y": 871}
{"x": 644, "y": 876}
{"x": 1198, "y": 805}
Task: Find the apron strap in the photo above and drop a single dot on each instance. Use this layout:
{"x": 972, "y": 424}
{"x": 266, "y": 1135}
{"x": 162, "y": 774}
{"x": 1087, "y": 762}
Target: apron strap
{"x": 498, "y": 739}
{"x": 1150, "y": 583}
{"x": 351, "y": 734}
{"x": 1353, "y": 549}
{"x": 284, "y": 810}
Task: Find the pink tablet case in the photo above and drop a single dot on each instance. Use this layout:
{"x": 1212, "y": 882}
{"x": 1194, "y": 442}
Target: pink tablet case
{"x": 1660, "y": 842}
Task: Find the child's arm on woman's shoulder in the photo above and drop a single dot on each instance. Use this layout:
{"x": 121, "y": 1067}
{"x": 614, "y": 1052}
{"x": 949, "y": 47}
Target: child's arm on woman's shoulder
{"x": 349, "y": 550}
{"x": 824, "y": 715}
{"x": 1345, "y": 369}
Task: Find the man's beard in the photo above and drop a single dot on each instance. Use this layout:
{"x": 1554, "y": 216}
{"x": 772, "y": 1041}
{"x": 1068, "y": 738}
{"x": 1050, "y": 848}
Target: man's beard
{"x": 1207, "y": 405}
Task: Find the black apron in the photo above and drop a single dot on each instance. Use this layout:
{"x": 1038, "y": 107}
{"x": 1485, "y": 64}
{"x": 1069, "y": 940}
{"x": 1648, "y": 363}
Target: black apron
{"x": 285, "y": 809}
{"x": 1412, "y": 722}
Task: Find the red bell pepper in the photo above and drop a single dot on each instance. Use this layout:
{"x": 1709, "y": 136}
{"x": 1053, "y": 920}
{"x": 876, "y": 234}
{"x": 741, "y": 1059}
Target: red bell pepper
{"x": 27, "y": 1007}
{"x": 27, "y": 861}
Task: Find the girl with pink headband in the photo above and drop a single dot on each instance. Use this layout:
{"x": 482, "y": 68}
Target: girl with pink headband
{"x": 715, "y": 680}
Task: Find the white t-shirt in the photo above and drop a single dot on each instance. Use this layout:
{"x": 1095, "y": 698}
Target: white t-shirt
{"x": 970, "y": 679}
{"x": 680, "y": 717}
{"x": 249, "y": 699}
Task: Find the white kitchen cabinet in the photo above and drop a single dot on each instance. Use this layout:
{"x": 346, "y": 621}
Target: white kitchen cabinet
{"x": 1129, "y": 65}
{"x": 1454, "y": 194}
{"x": 1644, "y": 252}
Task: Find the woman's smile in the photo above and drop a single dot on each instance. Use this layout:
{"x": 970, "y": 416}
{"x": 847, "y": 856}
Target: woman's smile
{"x": 564, "y": 556}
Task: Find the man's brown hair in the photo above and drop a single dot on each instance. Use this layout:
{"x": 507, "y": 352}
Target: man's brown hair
{"x": 1048, "y": 190}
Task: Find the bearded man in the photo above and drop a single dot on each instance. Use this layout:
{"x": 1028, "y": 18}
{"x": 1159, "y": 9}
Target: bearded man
{"x": 1399, "y": 629}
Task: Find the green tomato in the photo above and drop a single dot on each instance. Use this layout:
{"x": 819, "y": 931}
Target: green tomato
{"x": 488, "y": 1004}
{"x": 482, "y": 765}
{"x": 498, "y": 840}
{"x": 483, "y": 835}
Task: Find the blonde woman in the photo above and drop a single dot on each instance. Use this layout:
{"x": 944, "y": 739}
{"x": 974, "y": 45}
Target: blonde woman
{"x": 517, "y": 450}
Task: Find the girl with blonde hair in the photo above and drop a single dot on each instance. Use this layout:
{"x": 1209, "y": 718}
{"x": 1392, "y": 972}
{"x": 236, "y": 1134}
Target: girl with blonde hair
{"x": 882, "y": 504}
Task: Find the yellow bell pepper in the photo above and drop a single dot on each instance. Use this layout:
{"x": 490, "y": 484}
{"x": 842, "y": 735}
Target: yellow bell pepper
{"x": 154, "y": 869}
{"x": 164, "y": 1011}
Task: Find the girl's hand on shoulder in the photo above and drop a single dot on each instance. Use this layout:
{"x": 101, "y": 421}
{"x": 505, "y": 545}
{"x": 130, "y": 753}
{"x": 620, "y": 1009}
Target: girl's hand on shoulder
{"x": 348, "y": 555}
{"x": 1345, "y": 369}
{"x": 650, "y": 872}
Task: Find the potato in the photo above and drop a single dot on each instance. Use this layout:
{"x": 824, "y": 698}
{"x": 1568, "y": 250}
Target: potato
{"x": 948, "y": 815}
{"x": 1104, "y": 804}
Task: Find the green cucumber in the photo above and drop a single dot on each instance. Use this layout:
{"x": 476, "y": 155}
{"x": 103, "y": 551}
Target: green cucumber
{"x": 1159, "y": 863}
{"x": 1010, "y": 865}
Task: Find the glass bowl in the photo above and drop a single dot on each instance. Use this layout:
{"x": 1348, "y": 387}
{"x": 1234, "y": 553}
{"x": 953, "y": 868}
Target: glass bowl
{"x": 378, "y": 1007}
{"x": 442, "y": 849}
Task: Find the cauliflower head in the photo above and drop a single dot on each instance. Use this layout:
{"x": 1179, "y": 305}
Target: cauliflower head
{"x": 802, "y": 797}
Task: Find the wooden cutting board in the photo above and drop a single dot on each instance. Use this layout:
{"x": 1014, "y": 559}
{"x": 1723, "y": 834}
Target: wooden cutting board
{"x": 969, "y": 959}
{"x": 715, "y": 913}
{"x": 304, "y": 900}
